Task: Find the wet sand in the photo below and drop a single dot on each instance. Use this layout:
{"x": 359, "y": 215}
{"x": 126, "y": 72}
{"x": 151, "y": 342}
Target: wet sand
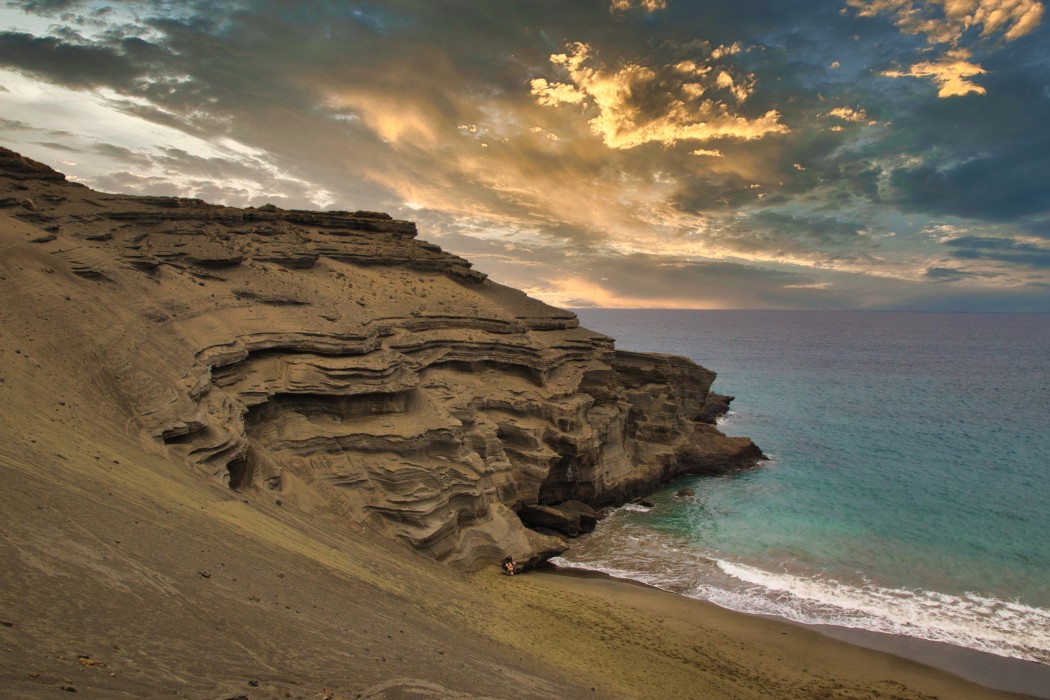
{"x": 987, "y": 670}
{"x": 649, "y": 643}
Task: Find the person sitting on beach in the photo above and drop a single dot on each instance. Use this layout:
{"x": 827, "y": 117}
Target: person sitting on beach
{"x": 509, "y": 566}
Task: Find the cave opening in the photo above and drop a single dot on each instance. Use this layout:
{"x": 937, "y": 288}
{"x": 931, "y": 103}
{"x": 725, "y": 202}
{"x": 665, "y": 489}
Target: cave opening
{"x": 562, "y": 483}
{"x": 240, "y": 470}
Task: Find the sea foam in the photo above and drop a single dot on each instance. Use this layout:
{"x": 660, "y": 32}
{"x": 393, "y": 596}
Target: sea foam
{"x": 970, "y": 620}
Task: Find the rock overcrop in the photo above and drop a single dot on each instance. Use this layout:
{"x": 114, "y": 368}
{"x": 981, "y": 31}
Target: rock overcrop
{"x": 333, "y": 360}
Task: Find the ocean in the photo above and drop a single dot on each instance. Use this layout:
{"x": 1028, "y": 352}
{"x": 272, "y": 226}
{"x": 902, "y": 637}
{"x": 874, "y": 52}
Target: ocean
{"x": 907, "y": 487}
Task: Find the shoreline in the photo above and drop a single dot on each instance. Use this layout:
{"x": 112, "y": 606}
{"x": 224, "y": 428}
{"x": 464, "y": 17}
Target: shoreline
{"x": 997, "y": 673}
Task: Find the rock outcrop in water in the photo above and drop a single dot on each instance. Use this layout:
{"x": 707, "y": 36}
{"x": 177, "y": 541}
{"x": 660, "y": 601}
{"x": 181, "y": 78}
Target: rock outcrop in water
{"x": 332, "y": 360}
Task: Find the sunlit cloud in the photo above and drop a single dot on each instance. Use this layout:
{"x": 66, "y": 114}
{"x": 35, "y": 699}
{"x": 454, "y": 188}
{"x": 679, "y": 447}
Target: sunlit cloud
{"x": 952, "y": 23}
{"x": 577, "y": 291}
{"x": 635, "y": 104}
{"x": 951, "y": 73}
{"x": 811, "y": 285}
{"x": 946, "y": 21}
{"x": 389, "y": 116}
{"x": 848, "y": 114}
{"x": 647, "y": 5}
{"x": 549, "y": 135}
{"x": 726, "y": 50}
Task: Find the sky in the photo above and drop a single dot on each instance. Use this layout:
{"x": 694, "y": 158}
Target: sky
{"x": 798, "y": 154}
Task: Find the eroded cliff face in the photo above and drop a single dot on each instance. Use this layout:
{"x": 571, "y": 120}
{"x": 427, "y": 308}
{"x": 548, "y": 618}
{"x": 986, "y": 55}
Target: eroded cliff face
{"x": 332, "y": 360}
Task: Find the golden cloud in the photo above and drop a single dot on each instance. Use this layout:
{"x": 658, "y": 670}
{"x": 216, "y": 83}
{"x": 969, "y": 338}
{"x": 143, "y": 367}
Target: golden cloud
{"x": 636, "y": 104}
{"x": 945, "y": 21}
{"x": 948, "y": 22}
{"x": 951, "y": 73}
{"x": 648, "y": 5}
{"x": 389, "y": 117}
{"x": 568, "y": 291}
{"x": 848, "y": 114}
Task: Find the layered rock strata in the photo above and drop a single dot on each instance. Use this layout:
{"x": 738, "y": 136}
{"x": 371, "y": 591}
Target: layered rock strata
{"x": 333, "y": 360}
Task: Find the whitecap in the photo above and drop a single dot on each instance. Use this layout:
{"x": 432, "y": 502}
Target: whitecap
{"x": 985, "y": 623}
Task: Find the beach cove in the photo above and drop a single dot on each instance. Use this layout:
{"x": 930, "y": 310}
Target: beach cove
{"x": 903, "y": 491}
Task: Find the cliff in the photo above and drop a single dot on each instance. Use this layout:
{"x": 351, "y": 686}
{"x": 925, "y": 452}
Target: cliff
{"x": 332, "y": 362}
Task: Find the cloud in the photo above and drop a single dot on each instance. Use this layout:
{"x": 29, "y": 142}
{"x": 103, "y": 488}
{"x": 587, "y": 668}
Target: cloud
{"x": 640, "y": 280}
{"x": 635, "y": 104}
{"x": 848, "y": 114}
{"x": 54, "y": 146}
{"x": 710, "y": 152}
{"x": 821, "y": 238}
{"x": 1009, "y": 250}
{"x": 953, "y": 23}
{"x": 15, "y": 125}
{"x": 947, "y": 21}
{"x": 647, "y": 5}
{"x": 951, "y": 72}
{"x": 68, "y": 64}
{"x": 999, "y": 183}
{"x": 45, "y": 7}
{"x": 954, "y": 274}
{"x": 233, "y": 192}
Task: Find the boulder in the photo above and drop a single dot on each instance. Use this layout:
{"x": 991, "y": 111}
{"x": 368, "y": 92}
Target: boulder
{"x": 588, "y": 518}
{"x": 562, "y": 520}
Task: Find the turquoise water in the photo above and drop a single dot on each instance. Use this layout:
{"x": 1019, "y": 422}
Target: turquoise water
{"x": 907, "y": 490}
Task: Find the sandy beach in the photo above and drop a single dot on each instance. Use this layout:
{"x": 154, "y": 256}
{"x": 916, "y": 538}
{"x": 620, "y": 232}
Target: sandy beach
{"x": 926, "y": 659}
{"x": 658, "y": 644}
